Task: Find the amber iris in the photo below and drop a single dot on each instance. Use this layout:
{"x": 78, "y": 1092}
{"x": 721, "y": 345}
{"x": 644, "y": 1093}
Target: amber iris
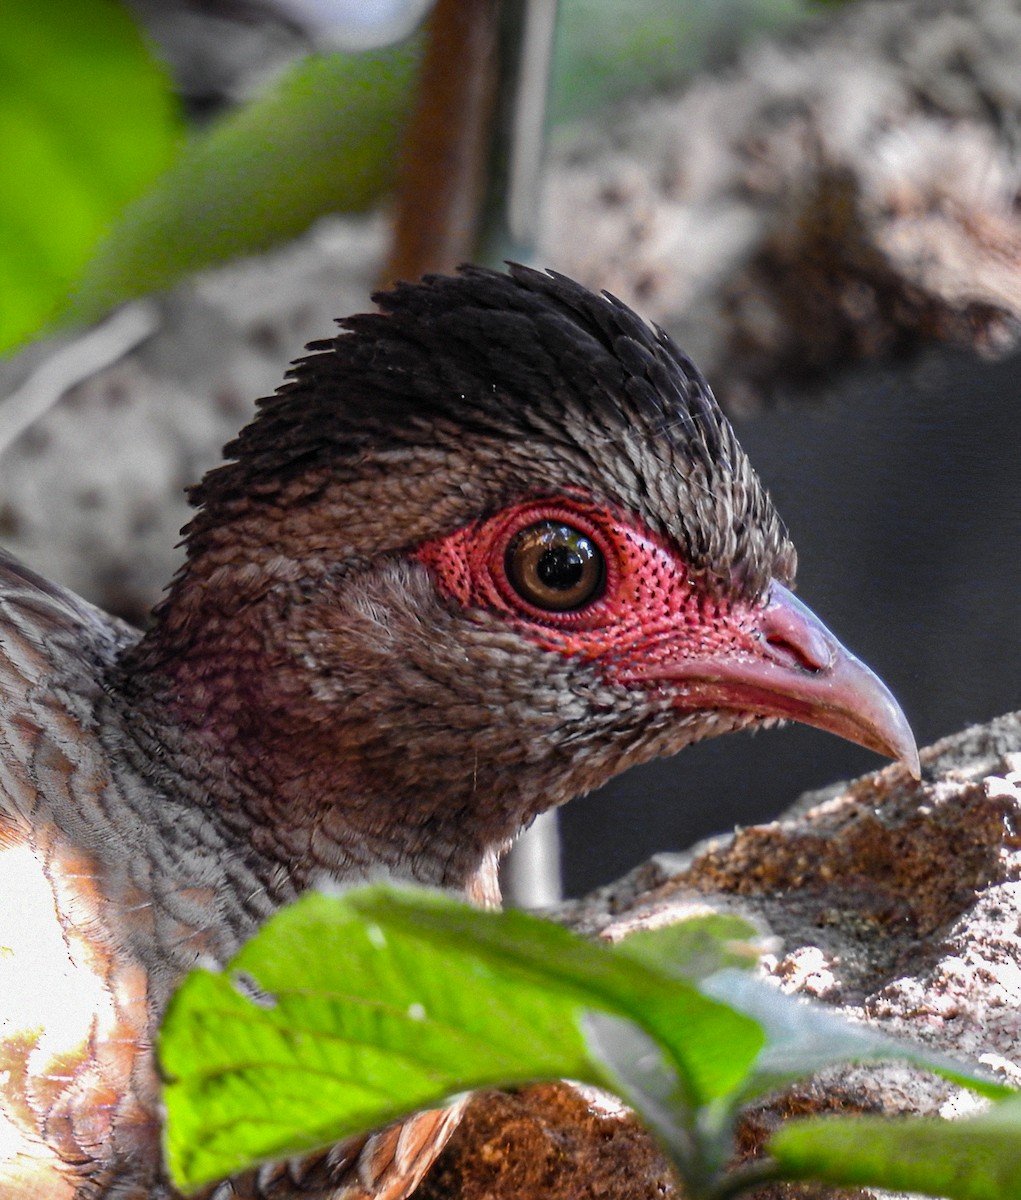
{"x": 555, "y": 566}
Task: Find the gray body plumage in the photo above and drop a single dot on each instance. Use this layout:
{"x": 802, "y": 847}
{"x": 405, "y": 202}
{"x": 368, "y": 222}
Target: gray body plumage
{"x": 307, "y": 702}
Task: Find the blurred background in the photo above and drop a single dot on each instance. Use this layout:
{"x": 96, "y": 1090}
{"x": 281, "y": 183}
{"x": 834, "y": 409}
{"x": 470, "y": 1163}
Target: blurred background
{"x": 819, "y": 201}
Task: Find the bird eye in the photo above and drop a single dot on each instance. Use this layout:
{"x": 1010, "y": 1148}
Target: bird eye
{"x": 555, "y": 566}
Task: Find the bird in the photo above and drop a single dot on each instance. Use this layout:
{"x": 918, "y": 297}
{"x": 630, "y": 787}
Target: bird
{"x": 487, "y": 546}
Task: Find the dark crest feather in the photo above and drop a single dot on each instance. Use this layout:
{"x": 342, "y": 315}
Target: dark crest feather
{"x": 513, "y": 356}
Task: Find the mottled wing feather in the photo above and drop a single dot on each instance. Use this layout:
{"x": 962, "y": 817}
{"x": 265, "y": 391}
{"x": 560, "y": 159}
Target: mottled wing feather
{"x": 386, "y": 1165}
{"x": 72, "y": 1012}
{"x": 396, "y": 1159}
{"x": 78, "y": 1090}
{"x": 54, "y": 649}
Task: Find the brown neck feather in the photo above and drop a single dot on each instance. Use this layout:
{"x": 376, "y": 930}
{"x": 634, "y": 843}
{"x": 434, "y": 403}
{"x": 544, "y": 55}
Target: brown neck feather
{"x": 287, "y": 688}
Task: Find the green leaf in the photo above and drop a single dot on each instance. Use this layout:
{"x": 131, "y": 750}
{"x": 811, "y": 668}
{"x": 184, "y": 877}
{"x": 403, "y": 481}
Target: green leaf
{"x": 606, "y": 53}
{"x": 87, "y": 122}
{"x": 972, "y": 1159}
{"x": 710, "y": 1045}
{"x": 803, "y": 1038}
{"x": 322, "y": 139}
{"x": 346, "y": 1011}
{"x": 697, "y": 946}
{"x": 640, "y": 1075}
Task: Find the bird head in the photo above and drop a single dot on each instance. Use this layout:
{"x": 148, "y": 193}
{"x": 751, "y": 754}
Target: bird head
{"x": 487, "y": 547}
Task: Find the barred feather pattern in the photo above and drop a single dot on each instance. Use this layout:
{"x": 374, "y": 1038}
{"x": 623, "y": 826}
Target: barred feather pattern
{"x": 106, "y": 899}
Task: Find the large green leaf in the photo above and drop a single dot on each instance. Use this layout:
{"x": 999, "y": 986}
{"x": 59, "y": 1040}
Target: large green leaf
{"x": 346, "y": 1011}
{"x": 693, "y": 949}
{"x": 86, "y": 123}
{"x": 803, "y": 1037}
{"x": 322, "y": 139}
{"x": 974, "y": 1159}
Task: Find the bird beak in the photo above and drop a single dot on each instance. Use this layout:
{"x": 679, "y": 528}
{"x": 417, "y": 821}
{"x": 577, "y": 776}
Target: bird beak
{"x": 799, "y": 672}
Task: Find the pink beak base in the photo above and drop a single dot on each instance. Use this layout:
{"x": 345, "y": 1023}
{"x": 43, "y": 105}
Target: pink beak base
{"x": 802, "y": 674}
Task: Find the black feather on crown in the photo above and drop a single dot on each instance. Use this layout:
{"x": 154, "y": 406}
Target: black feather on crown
{"x": 521, "y": 357}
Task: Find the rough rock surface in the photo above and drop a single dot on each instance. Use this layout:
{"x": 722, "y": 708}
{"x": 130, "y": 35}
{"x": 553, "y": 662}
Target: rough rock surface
{"x": 896, "y": 902}
{"x": 839, "y": 196}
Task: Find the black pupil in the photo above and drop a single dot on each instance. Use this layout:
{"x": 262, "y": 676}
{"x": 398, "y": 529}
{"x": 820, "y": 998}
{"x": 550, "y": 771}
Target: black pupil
{"x": 560, "y": 568}
{"x": 554, "y": 566}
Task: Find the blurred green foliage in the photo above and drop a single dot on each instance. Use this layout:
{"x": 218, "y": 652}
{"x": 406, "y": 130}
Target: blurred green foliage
{"x": 87, "y": 121}
{"x": 104, "y": 197}
{"x": 323, "y": 139}
{"x": 607, "y": 53}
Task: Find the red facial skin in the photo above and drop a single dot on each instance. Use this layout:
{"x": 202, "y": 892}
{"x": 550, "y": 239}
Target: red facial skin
{"x": 654, "y": 626}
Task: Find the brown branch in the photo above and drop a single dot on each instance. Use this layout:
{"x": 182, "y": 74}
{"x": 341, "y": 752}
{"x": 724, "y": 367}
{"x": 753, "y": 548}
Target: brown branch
{"x": 445, "y": 147}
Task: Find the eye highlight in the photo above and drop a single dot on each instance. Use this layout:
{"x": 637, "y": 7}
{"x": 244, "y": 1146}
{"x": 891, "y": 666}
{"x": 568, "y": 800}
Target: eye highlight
{"x": 555, "y": 567}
